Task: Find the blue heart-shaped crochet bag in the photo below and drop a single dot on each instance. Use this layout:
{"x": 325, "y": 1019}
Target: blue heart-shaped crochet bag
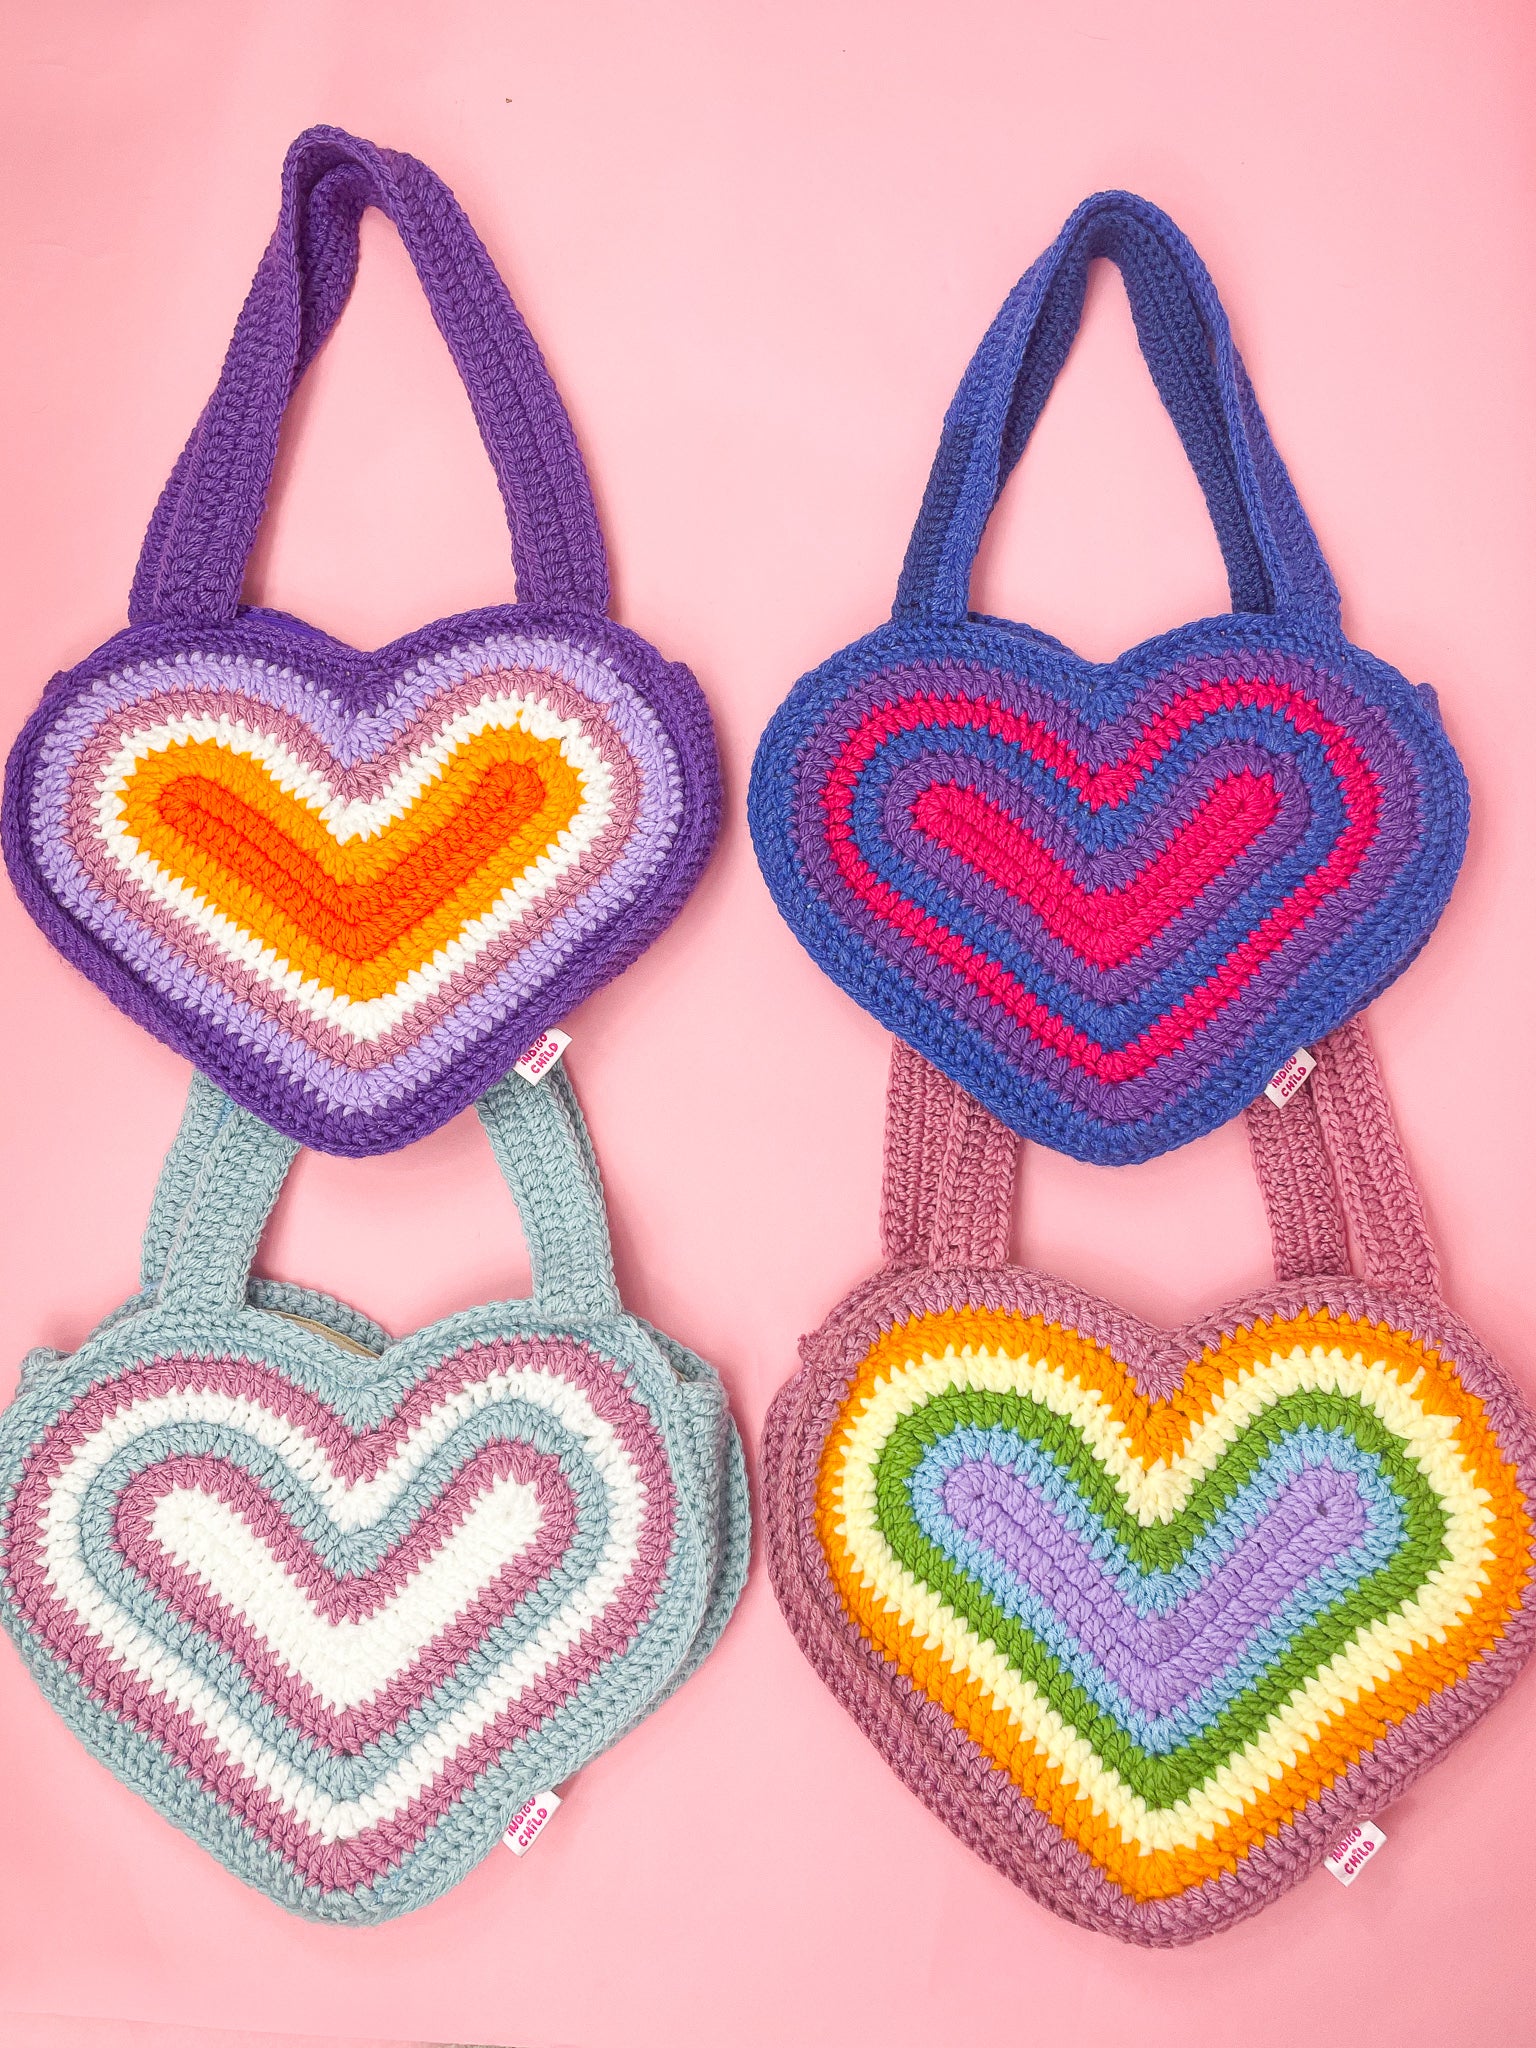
{"x": 1110, "y": 900}
{"x": 335, "y": 1605}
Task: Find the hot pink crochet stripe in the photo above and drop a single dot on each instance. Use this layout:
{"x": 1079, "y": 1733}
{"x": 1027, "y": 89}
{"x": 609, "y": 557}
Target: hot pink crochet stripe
{"x": 1097, "y": 788}
{"x": 1105, "y": 926}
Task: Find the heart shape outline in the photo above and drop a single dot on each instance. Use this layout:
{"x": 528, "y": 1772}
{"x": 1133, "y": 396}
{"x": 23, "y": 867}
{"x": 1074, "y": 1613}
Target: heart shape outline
{"x": 278, "y": 1044}
{"x": 913, "y": 1713}
{"x": 322, "y": 1851}
{"x": 1090, "y": 1060}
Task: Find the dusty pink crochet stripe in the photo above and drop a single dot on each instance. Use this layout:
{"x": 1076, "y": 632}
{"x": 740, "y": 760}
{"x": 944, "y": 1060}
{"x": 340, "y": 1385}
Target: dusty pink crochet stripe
{"x": 347, "y": 1731}
{"x": 1331, "y": 1156}
{"x": 950, "y": 1166}
{"x": 343, "y": 1865}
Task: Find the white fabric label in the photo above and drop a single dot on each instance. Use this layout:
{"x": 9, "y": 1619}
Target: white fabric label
{"x": 542, "y": 1055}
{"x": 1353, "y": 1850}
{"x": 1283, "y": 1086}
{"x": 530, "y": 1821}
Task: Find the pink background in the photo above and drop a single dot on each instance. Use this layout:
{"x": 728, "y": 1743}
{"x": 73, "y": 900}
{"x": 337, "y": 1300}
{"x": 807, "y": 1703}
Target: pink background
{"x": 758, "y": 245}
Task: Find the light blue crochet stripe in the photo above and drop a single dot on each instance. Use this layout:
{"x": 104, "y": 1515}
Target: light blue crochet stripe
{"x": 1160, "y": 1734}
{"x": 346, "y": 1776}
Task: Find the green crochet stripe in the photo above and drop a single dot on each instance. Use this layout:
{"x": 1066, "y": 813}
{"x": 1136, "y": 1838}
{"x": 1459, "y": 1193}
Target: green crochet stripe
{"x": 1162, "y": 1781}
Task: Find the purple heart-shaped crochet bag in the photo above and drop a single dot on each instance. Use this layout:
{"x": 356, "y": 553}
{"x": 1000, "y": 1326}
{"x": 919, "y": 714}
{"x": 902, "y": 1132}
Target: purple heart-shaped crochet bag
{"x": 354, "y": 888}
{"x": 1110, "y": 900}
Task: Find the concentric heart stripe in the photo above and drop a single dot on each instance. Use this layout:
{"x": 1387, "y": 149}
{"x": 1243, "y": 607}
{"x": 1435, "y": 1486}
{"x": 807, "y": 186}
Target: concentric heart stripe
{"x": 333, "y": 1633}
{"x": 355, "y": 896}
{"x": 1101, "y": 910}
{"x": 1171, "y": 1623}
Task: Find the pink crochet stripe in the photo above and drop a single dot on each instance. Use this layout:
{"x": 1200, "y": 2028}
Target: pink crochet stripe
{"x": 366, "y": 780}
{"x": 1098, "y": 787}
{"x": 354, "y": 1456}
{"x": 347, "y": 1731}
{"x": 341, "y": 1865}
{"x": 1104, "y": 926}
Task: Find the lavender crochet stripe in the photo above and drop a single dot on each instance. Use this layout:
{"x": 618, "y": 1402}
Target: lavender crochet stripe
{"x": 274, "y": 1048}
{"x": 1155, "y": 1655}
{"x": 1166, "y": 1678}
{"x": 308, "y": 711}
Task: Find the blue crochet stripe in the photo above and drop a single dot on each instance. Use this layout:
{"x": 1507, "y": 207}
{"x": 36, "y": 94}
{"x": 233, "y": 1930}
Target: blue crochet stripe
{"x": 1157, "y": 1593}
{"x": 1118, "y": 1023}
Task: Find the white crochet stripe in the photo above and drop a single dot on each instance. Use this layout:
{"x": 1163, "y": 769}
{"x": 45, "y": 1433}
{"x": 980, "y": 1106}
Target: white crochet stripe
{"x": 1153, "y": 1493}
{"x": 363, "y": 1021}
{"x": 348, "y": 1660}
{"x": 351, "y": 1505}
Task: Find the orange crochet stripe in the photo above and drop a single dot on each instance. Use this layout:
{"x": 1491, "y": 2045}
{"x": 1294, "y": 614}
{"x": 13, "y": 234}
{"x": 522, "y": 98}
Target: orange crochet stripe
{"x": 1162, "y": 1429}
{"x": 1154, "y": 1429}
{"x": 360, "y": 915}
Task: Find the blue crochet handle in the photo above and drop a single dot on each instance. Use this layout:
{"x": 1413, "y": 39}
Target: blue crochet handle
{"x": 1273, "y": 561}
{"x": 226, "y": 1169}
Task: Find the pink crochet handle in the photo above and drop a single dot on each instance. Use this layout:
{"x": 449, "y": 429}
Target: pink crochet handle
{"x": 1330, "y": 1164}
{"x": 1149, "y": 1617}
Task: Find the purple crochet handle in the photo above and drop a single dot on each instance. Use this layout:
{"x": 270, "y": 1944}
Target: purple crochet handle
{"x": 201, "y": 535}
{"x": 1330, "y": 1164}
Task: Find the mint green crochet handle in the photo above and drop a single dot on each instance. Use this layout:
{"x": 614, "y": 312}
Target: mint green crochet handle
{"x": 226, "y": 1169}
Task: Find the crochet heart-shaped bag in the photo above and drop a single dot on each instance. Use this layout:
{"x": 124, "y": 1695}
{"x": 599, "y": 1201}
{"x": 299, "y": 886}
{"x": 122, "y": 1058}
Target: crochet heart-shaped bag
{"x": 1111, "y": 900}
{"x": 1147, "y": 1617}
{"x": 338, "y": 1606}
{"x": 354, "y": 888}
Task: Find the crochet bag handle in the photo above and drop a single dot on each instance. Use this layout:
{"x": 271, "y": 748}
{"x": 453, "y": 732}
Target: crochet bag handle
{"x": 226, "y": 1168}
{"x": 1330, "y": 1164}
{"x": 203, "y": 529}
{"x": 1272, "y": 556}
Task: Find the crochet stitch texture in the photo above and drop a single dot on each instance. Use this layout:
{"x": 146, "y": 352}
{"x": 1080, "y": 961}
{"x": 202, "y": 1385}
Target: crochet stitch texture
{"x": 1110, "y": 900}
{"x": 338, "y": 1605}
{"x": 355, "y": 887}
{"x": 1148, "y": 1617}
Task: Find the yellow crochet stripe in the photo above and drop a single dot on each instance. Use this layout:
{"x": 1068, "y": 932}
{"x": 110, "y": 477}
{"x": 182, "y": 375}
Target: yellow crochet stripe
{"x": 297, "y": 930}
{"x": 1157, "y": 1453}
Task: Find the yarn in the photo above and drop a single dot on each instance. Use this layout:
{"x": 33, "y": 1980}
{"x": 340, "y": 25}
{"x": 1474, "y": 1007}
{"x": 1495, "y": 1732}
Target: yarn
{"x": 1147, "y": 1617}
{"x": 355, "y": 887}
{"x": 1110, "y": 900}
{"x": 337, "y": 1606}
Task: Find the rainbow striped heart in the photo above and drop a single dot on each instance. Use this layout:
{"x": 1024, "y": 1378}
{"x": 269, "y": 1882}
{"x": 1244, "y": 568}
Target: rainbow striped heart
{"x": 1146, "y": 1618}
{"x": 353, "y": 888}
{"x": 1108, "y": 901}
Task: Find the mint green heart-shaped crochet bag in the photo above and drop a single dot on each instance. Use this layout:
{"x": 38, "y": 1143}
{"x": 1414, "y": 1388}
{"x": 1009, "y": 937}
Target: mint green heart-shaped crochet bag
{"x": 338, "y": 1605}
